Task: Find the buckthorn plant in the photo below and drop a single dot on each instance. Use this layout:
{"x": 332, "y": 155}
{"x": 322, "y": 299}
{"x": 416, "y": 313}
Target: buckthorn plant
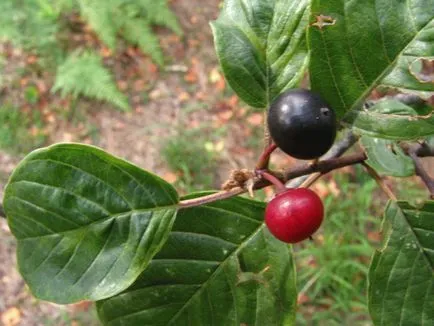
{"x": 92, "y": 226}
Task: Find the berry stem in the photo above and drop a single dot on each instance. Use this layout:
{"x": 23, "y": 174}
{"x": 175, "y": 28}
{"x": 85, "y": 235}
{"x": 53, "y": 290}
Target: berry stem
{"x": 280, "y": 187}
{"x": 311, "y": 180}
{"x": 264, "y": 159}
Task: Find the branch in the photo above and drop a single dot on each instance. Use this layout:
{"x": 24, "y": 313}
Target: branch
{"x": 420, "y": 170}
{"x": 322, "y": 167}
{"x": 337, "y": 150}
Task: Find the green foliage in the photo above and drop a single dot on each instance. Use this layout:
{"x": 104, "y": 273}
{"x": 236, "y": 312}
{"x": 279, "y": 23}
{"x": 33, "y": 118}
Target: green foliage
{"x": 15, "y": 134}
{"x": 84, "y": 74}
{"x": 389, "y": 119}
{"x": 386, "y": 157}
{"x": 220, "y": 266}
{"x": 401, "y": 274}
{"x": 262, "y": 47}
{"x": 351, "y": 55}
{"x": 87, "y": 222}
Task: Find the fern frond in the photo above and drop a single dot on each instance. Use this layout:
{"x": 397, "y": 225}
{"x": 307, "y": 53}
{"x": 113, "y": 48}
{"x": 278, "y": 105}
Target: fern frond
{"x": 98, "y": 14}
{"x": 159, "y": 13}
{"x": 84, "y": 74}
{"x": 137, "y": 32}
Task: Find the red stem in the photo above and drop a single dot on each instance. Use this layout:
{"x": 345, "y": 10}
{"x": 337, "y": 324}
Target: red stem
{"x": 280, "y": 187}
{"x": 264, "y": 159}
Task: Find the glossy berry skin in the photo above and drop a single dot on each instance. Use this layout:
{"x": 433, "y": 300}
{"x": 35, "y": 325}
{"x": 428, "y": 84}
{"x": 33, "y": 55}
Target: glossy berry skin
{"x": 302, "y": 124}
{"x": 294, "y": 215}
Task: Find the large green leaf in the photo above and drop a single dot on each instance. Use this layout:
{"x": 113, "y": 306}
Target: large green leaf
{"x": 87, "y": 223}
{"x": 220, "y": 266}
{"x": 362, "y": 42}
{"x": 261, "y": 45}
{"x": 386, "y": 157}
{"x": 392, "y": 119}
{"x": 401, "y": 280}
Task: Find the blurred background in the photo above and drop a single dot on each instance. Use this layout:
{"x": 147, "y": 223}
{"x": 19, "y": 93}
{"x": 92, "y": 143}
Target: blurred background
{"x": 141, "y": 80}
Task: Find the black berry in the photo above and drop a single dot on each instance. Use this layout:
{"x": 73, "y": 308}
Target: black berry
{"x": 302, "y": 124}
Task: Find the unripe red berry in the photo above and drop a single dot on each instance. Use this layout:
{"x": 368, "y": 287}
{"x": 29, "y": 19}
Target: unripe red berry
{"x": 294, "y": 215}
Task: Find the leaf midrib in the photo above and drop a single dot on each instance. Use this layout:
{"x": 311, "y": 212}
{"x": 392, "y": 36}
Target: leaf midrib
{"x": 357, "y": 104}
{"x": 216, "y": 272}
{"x": 115, "y": 216}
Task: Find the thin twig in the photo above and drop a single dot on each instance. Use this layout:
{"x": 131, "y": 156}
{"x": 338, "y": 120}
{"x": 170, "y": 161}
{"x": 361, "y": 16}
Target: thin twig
{"x": 380, "y": 182}
{"x": 264, "y": 159}
{"x": 311, "y": 180}
{"x": 421, "y": 172}
{"x": 322, "y": 166}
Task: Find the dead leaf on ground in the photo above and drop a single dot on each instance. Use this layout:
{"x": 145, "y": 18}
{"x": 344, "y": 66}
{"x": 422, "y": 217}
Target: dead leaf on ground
{"x": 183, "y": 97}
{"x": 11, "y": 317}
{"x": 170, "y": 177}
{"x": 321, "y": 189}
{"x": 256, "y": 119}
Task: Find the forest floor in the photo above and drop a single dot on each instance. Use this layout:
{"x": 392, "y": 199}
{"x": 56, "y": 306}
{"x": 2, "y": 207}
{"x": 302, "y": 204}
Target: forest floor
{"x": 186, "y": 126}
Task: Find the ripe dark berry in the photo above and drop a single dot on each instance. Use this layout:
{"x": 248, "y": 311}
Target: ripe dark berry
{"x": 294, "y": 215}
{"x": 302, "y": 124}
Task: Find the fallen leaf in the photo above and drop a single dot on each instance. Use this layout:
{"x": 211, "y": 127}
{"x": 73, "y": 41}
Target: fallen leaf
{"x": 139, "y": 85}
{"x": 122, "y": 85}
{"x": 256, "y": 119}
{"x": 225, "y": 115}
{"x": 302, "y": 298}
{"x": 334, "y": 188}
{"x": 105, "y": 52}
{"x": 233, "y": 100}
{"x": 170, "y": 177}
{"x": 194, "y": 19}
{"x": 221, "y": 84}
{"x": 11, "y": 317}
{"x": 191, "y": 75}
{"x": 374, "y": 236}
{"x": 321, "y": 189}
{"x": 183, "y": 97}
{"x": 214, "y": 75}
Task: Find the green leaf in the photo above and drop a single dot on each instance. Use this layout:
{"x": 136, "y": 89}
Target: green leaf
{"x": 392, "y": 119}
{"x": 362, "y": 42}
{"x": 220, "y": 266}
{"x": 401, "y": 282}
{"x": 261, "y": 45}
{"x": 407, "y": 74}
{"x": 386, "y": 157}
{"x": 87, "y": 223}
{"x": 84, "y": 74}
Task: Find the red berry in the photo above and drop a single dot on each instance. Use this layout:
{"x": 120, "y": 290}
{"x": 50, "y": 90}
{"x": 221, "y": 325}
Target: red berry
{"x": 294, "y": 215}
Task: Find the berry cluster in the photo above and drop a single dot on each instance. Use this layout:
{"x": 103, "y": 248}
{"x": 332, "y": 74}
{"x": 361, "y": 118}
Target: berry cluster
{"x": 302, "y": 125}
